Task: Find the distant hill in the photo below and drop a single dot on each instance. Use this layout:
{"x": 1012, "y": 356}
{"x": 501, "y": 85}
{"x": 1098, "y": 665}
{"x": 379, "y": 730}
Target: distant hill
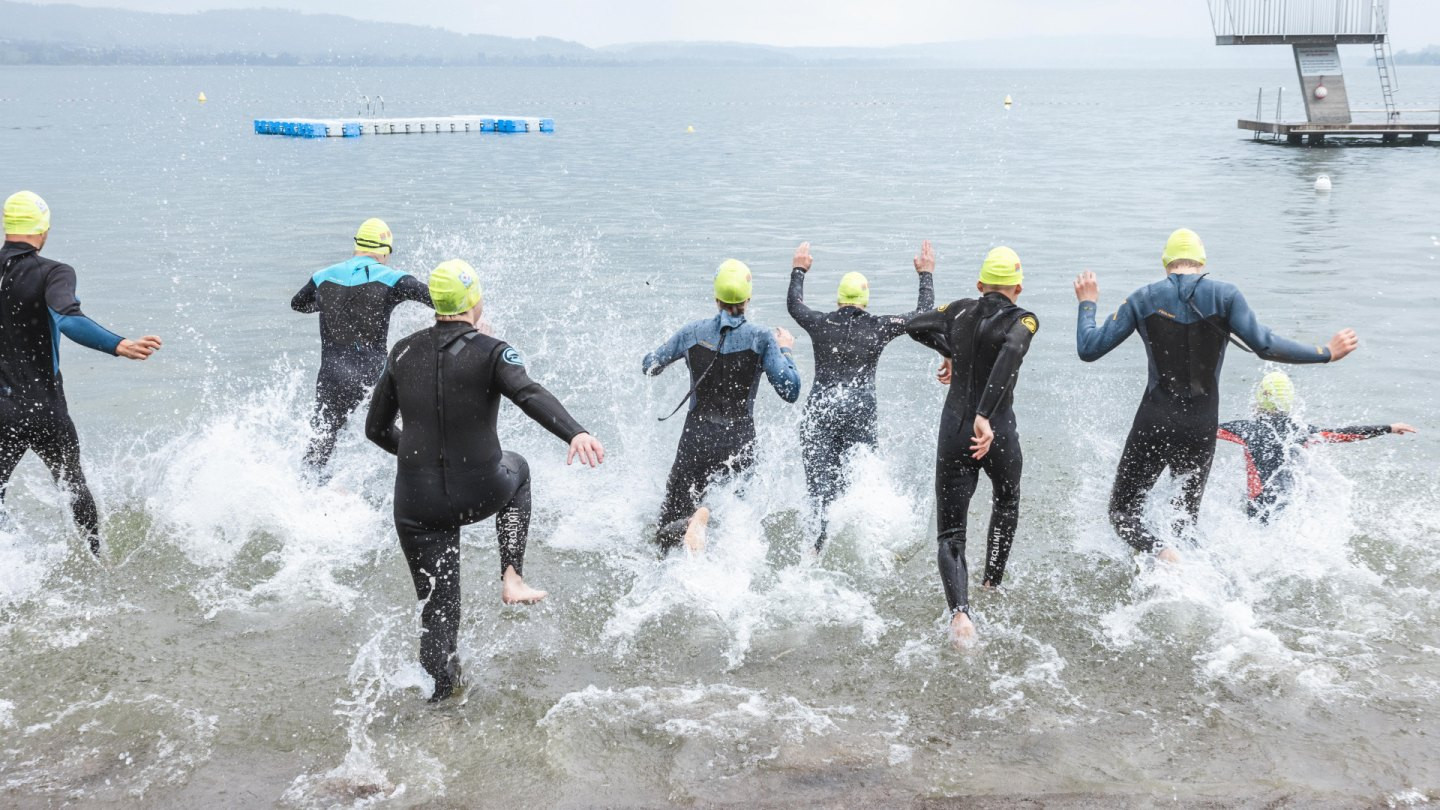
{"x": 1427, "y": 56}
{"x": 71, "y": 35}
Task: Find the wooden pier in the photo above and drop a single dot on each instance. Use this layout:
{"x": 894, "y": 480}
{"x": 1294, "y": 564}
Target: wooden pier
{"x": 1317, "y": 133}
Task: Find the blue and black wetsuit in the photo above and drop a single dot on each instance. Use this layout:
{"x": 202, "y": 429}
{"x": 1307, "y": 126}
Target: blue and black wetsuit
{"x": 1272, "y": 441}
{"x": 37, "y": 306}
{"x": 726, "y": 355}
{"x": 840, "y": 412}
{"x": 354, "y": 299}
{"x": 1185, "y": 321}
{"x": 445, "y": 384}
{"x": 986, "y": 341}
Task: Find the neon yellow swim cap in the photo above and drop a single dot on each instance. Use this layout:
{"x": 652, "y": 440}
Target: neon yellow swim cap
{"x": 374, "y": 237}
{"x": 1183, "y": 244}
{"x": 1001, "y": 268}
{"x": 732, "y": 282}
{"x": 26, "y": 214}
{"x": 1276, "y": 393}
{"x": 455, "y": 287}
{"x": 854, "y": 291}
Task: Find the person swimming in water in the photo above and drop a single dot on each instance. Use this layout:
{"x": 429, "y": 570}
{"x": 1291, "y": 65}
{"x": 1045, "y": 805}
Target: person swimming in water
{"x": 841, "y": 413}
{"x": 726, "y": 355}
{"x": 983, "y": 340}
{"x": 444, "y": 383}
{"x": 1273, "y": 440}
{"x": 355, "y": 299}
{"x": 1185, "y": 320}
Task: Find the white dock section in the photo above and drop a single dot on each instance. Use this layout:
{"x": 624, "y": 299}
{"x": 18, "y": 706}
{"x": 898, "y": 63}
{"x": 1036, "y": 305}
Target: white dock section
{"x": 355, "y": 127}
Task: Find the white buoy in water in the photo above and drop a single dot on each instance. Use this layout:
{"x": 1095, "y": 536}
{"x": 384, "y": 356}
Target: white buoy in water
{"x": 201, "y": 99}
{"x": 1008, "y": 102}
{"x": 1322, "y": 183}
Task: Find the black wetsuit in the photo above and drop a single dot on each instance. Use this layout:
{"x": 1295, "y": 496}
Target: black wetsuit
{"x": 1271, "y": 441}
{"x": 37, "y": 305}
{"x": 1185, "y": 321}
{"x": 726, "y": 355}
{"x": 445, "y": 384}
{"x": 355, "y": 299}
{"x": 840, "y": 413}
{"x": 986, "y": 340}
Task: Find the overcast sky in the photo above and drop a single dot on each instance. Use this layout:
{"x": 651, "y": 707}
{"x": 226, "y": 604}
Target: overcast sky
{"x": 1416, "y": 23}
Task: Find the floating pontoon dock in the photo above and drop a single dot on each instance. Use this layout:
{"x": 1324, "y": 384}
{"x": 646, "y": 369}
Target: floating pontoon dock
{"x": 355, "y": 127}
{"x": 1315, "y": 29}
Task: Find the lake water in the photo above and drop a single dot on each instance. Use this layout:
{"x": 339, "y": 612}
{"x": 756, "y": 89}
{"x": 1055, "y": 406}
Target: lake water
{"x": 250, "y": 642}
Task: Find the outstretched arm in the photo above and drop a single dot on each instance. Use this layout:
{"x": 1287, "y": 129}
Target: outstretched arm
{"x": 72, "y": 323}
{"x": 380, "y": 426}
{"x": 1232, "y": 432}
{"x": 306, "y": 301}
{"x": 1358, "y": 433}
{"x": 795, "y": 299}
{"x": 894, "y": 325}
{"x": 409, "y": 288}
{"x": 667, "y": 353}
{"x": 532, "y": 397}
{"x": 1094, "y": 342}
{"x": 780, "y": 365}
{"x": 1269, "y": 346}
{"x": 932, "y": 329}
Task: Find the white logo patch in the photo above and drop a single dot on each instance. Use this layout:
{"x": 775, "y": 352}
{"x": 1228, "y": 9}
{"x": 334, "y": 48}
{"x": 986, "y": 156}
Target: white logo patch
{"x": 512, "y": 357}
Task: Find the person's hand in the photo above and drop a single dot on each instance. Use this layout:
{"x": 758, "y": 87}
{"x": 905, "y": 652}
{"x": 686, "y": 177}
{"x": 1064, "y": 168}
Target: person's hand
{"x": 1400, "y": 429}
{"x": 925, "y": 262}
{"x": 943, "y": 375}
{"x": 588, "y": 448}
{"x": 980, "y": 442}
{"x": 1344, "y": 342}
{"x": 1087, "y": 287}
{"x": 802, "y": 258}
{"x": 138, "y": 349}
{"x": 783, "y": 338}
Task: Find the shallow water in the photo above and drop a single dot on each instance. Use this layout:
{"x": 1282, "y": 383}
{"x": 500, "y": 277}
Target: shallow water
{"x": 250, "y": 642}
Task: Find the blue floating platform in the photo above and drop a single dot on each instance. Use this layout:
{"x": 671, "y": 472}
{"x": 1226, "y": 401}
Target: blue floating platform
{"x": 356, "y": 127}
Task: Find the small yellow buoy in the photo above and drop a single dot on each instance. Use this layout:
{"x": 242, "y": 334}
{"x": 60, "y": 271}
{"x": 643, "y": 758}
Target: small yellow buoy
{"x": 690, "y": 129}
{"x": 1008, "y": 101}
{"x": 202, "y": 98}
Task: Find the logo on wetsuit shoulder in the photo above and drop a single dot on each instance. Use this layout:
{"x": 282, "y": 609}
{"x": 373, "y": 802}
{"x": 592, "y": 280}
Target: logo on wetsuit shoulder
{"x": 1030, "y": 323}
{"x": 512, "y": 357}
{"x": 941, "y": 308}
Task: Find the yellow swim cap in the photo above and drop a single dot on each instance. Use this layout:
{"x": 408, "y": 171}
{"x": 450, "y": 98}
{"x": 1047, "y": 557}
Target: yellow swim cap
{"x": 1001, "y": 268}
{"x": 26, "y": 214}
{"x": 1276, "y": 393}
{"x": 1183, "y": 244}
{"x": 732, "y": 282}
{"x": 454, "y": 287}
{"x": 374, "y": 237}
{"x": 854, "y": 290}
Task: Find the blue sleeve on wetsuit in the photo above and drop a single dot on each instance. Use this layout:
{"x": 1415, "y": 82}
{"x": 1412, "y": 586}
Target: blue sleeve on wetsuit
{"x": 780, "y": 368}
{"x": 669, "y": 351}
{"x": 1094, "y": 342}
{"x": 1265, "y": 343}
{"x": 86, "y": 332}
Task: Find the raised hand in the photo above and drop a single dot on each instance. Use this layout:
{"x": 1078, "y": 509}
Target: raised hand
{"x": 802, "y": 257}
{"x": 925, "y": 262}
{"x": 1344, "y": 342}
{"x": 1087, "y": 287}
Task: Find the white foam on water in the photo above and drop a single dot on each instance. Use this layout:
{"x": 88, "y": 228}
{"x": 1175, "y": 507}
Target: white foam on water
{"x": 27, "y": 560}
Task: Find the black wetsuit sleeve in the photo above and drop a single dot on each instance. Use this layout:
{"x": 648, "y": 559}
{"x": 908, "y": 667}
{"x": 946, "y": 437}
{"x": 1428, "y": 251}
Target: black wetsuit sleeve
{"x": 537, "y": 403}
{"x": 409, "y": 288}
{"x": 926, "y": 299}
{"x": 795, "y": 300}
{"x": 931, "y": 329}
{"x": 1233, "y": 432}
{"x": 306, "y": 301}
{"x": 1006, "y": 369}
{"x": 1342, "y": 435}
{"x": 380, "y": 425}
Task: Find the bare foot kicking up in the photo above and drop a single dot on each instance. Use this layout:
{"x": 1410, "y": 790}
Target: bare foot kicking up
{"x": 516, "y": 592}
{"x": 695, "y": 531}
{"x": 1168, "y": 555}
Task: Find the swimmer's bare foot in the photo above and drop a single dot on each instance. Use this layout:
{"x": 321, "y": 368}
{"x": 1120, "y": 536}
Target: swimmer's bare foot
{"x": 695, "y": 530}
{"x": 516, "y": 592}
{"x": 962, "y": 631}
{"x": 1168, "y": 555}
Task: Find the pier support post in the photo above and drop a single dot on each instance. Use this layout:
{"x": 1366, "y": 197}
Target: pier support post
{"x": 1420, "y": 138}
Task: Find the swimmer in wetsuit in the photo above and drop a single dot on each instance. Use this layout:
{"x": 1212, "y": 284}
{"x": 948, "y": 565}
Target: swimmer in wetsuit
{"x": 37, "y": 306}
{"x": 1186, "y": 321}
{"x": 1273, "y": 440}
{"x": 726, "y": 355}
{"x": 445, "y": 384}
{"x": 354, "y": 299}
{"x": 983, "y": 341}
{"x": 840, "y": 413}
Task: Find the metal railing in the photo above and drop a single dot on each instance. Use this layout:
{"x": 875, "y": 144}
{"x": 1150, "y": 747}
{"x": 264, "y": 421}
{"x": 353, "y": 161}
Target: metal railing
{"x": 1257, "y": 18}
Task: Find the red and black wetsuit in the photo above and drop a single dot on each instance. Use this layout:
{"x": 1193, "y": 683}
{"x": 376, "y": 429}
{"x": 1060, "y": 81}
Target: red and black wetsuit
{"x": 1271, "y": 442}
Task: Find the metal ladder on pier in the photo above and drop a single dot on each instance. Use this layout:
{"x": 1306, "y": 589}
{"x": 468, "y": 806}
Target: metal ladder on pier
{"x": 1384, "y": 58}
